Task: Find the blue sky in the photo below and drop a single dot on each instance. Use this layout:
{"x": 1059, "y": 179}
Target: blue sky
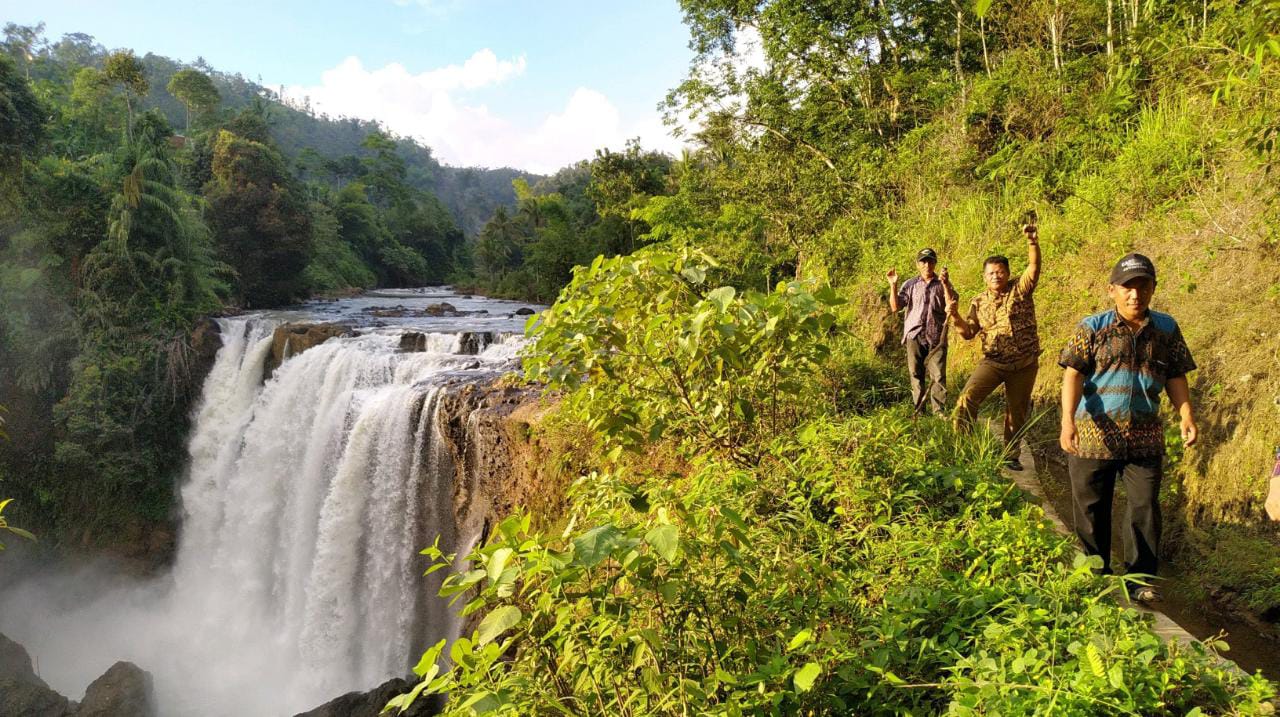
{"x": 484, "y": 82}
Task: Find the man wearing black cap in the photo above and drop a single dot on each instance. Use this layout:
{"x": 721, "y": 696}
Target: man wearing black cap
{"x": 924, "y": 330}
{"x": 1115, "y": 367}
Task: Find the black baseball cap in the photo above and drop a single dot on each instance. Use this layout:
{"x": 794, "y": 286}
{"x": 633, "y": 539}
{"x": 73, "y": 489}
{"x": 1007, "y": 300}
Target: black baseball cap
{"x": 927, "y": 255}
{"x": 1132, "y": 266}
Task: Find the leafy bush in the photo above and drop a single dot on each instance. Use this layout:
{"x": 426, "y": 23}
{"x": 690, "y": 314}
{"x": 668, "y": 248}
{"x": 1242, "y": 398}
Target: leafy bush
{"x": 866, "y": 566}
{"x": 659, "y": 353}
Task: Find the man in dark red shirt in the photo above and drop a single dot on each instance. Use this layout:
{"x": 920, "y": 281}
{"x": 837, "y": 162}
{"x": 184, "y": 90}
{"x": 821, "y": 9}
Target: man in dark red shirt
{"x": 924, "y": 330}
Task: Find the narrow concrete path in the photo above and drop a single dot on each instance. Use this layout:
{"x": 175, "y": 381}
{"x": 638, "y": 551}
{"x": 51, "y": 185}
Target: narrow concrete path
{"x": 1027, "y": 480}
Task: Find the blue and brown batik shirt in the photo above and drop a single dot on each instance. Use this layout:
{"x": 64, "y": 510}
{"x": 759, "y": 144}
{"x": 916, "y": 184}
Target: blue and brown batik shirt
{"x": 1124, "y": 374}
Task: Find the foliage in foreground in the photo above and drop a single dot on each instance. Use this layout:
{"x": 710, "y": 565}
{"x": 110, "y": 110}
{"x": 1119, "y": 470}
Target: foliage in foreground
{"x": 869, "y": 564}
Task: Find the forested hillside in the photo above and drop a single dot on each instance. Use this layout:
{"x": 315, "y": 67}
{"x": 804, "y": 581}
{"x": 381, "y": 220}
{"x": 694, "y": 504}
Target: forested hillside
{"x": 567, "y": 220}
{"x": 310, "y": 140}
{"x": 139, "y": 196}
{"x": 758, "y": 529}
{"x": 866, "y": 131}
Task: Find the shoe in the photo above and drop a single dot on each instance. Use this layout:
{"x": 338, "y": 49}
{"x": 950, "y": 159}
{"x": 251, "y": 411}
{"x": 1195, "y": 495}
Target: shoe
{"x": 1146, "y": 593}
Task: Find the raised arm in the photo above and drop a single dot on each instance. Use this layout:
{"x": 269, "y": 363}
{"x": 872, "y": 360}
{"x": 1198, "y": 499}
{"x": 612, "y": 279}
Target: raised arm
{"x": 1031, "y": 276}
{"x": 894, "y": 304}
{"x": 1072, "y": 390}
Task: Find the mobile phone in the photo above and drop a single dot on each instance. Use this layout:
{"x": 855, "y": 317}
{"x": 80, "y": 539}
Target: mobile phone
{"x": 1030, "y": 219}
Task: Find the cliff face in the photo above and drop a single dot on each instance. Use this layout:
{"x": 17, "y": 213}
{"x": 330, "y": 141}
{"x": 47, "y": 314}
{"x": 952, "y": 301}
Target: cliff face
{"x": 502, "y": 462}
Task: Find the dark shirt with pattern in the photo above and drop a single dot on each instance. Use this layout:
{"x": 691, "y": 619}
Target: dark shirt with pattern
{"x": 1006, "y": 322}
{"x": 926, "y": 305}
{"x": 1124, "y": 374}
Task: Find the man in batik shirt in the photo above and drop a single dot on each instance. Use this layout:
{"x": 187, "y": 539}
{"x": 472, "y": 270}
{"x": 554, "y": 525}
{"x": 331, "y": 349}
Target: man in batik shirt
{"x": 1116, "y": 365}
{"x": 1004, "y": 318}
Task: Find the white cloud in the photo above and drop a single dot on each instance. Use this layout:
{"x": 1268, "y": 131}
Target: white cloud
{"x": 434, "y": 107}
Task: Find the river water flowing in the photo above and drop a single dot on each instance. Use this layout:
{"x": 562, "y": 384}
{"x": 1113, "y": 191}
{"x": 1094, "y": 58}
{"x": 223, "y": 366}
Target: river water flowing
{"x": 306, "y": 500}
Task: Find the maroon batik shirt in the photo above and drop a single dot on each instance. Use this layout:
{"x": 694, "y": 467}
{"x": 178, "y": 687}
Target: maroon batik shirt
{"x": 926, "y": 306}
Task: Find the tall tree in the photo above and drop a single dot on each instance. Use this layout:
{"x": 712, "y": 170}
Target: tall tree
{"x": 21, "y": 124}
{"x": 123, "y": 69}
{"x": 20, "y": 40}
{"x": 193, "y": 89}
{"x": 259, "y": 219}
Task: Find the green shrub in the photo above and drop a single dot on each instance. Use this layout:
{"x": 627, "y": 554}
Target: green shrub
{"x": 658, "y": 352}
{"x": 866, "y": 566}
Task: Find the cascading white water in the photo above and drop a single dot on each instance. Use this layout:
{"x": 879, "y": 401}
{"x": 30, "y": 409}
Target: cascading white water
{"x": 307, "y": 500}
{"x": 303, "y": 503}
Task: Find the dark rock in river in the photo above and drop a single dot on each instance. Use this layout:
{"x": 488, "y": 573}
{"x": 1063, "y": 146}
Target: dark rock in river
{"x": 413, "y": 341}
{"x": 22, "y": 692}
{"x": 206, "y": 339}
{"x": 470, "y": 342}
{"x": 473, "y": 342}
{"x": 525, "y": 311}
{"x": 124, "y": 690}
{"x": 369, "y": 704}
{"x": 15, "y": 663}
{"x": 292, "y": 339}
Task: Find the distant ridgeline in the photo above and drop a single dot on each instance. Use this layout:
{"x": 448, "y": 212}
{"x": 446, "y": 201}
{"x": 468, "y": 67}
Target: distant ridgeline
{"x": 313, "y": 140}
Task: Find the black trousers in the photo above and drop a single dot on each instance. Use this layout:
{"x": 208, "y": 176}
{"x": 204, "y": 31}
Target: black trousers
{"x": 928, "y": 368}
{"x": 1093, "y": 484}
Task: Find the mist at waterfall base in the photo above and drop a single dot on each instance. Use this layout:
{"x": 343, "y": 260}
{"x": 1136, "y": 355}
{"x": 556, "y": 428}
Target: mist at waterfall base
{"x": 297, "y": 575}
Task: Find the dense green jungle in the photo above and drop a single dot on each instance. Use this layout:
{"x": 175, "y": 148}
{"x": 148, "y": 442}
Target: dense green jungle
{"x": 748, "y": 520}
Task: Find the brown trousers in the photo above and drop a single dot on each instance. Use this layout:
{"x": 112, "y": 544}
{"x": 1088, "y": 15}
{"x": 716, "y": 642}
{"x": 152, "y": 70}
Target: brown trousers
{"x": 1018, "y": 381}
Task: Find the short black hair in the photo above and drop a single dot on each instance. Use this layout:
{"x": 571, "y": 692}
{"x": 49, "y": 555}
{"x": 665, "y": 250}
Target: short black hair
{"x": 996, "y": 259}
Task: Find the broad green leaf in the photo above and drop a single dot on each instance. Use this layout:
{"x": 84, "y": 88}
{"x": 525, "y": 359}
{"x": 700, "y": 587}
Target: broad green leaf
{"x": 1116, "y": 676}
{"x": 806, "y": 676}
{"x": 483, "y": 702}
{"x": 496, "y": 623}
{"x": 429, "y": 659}
{"x": 593, "y": 546}
{"x": 722, "y": 297}
{"x": 800, "y": 638}
{"x": 665, "y": 540}
{"x": 497, "y": 563}
{"x": 981, "y": 7}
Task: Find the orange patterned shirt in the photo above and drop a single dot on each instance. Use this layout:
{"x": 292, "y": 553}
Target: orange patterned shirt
{"x": 1006, "y": 322}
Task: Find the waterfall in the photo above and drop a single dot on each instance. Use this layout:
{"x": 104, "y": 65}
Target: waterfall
{"x": 306, "y": 499}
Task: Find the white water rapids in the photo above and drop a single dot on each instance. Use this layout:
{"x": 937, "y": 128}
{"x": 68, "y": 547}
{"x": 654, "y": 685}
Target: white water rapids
{"x": 306, "y": 502}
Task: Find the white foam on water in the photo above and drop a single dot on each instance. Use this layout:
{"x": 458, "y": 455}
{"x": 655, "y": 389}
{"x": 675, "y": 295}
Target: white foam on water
{"x": 306, "y": 502}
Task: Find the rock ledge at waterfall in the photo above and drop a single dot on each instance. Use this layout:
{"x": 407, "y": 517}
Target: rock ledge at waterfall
{"x": 124, "y": 690}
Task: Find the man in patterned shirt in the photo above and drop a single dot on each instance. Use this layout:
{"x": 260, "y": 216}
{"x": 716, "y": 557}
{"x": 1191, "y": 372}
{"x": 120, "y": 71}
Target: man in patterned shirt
{"x": 924, "y": 330}
{"x": 1004, "y": 316}
{"x": 1115, "y": 367}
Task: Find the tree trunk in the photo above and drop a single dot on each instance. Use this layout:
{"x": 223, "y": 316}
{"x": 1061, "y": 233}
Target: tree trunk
{"x": 1055, "y": 38}
{"x": 128, "y": 106}
{"x": 982, "y": 32}
{"x": 1110, "y": 42}
{"x": 959, "y": 71}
